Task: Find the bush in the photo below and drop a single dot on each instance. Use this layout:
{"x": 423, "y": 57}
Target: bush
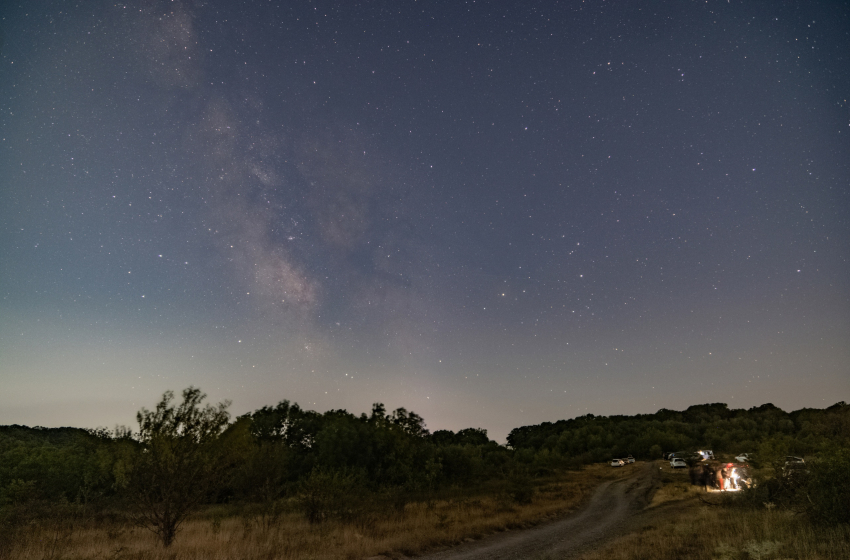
{"x": 520, "y": 487}
{"x": 821, "y": 490}
{"x": 828, "y": 487}
{"x": 178, "y": 462}
{"x": 326, "y": 495}
{"x": 50, "y": 523}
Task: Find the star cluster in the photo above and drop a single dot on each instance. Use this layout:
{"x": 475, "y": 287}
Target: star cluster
{"x": 493, "y": 214}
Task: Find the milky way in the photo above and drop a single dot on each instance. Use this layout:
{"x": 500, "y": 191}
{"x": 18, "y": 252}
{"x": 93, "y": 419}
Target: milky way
{"x": 493, "y": 215}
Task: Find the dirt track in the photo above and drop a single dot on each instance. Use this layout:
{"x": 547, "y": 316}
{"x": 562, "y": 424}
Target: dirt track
{"x": 608, "y": 514}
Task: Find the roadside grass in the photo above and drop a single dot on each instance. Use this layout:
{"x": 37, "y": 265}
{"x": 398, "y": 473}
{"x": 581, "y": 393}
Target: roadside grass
{"x": 706, "y": 533}
{"x": 684, "y": 526}
{"x": 228, "y": 532}
{"x": 675, "y": 486}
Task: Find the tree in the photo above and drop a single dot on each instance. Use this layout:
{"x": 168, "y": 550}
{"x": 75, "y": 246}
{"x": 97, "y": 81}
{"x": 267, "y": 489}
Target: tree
{"x": 828, "y": 487}
{"x": 178, "y": 462}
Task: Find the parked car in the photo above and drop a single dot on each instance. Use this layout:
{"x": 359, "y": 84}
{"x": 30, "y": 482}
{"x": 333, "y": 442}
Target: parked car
{"x": 794, "y": 466}
{"x": 629, "y": 459}
{"x": 678, "y": 463}
{"x": 617, "y": 463}
{"x": 743, "y": 458}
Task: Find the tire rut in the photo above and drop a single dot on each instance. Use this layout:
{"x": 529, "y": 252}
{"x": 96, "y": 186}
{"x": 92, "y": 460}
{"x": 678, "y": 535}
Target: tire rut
{"x": 604, "y": 517}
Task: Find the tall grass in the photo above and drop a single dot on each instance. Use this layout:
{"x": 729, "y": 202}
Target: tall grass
{"x": 705, "y": 533}
{"x": 685, "y": 522}
{"x": 229, "y": 532}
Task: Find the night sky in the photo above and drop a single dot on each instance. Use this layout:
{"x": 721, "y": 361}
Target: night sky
{"x": 491, "y": 213}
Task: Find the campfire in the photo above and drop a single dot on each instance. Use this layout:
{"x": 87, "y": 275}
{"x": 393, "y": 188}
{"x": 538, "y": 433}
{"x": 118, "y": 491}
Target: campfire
{"x": 721, "y": 477}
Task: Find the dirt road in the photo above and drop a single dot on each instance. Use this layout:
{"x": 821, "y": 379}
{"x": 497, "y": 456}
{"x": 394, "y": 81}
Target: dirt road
{"x": 609, "y": 513}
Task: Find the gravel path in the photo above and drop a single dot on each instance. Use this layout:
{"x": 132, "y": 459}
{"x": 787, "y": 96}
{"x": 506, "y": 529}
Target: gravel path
{"x": 607, "y": 514}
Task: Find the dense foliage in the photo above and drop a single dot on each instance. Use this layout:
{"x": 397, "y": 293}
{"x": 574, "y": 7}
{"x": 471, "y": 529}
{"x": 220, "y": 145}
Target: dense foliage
{"x": 765, "y": 429}
{"x": 51, "y": 463}
{"x": 335, "y": 464}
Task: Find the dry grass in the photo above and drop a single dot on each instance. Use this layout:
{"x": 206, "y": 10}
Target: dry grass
{"x": 210, "y": 536}
{"x": 675, "y": 486}
{"x": 682, "y": 526}
{"x": 705, "y": 533}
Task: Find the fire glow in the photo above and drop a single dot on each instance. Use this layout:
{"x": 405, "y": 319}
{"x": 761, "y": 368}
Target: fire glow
{"x": 731, "y": 483}
{"x": 721, "y": 477}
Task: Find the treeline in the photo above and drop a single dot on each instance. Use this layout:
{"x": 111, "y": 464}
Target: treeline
{"x": 766, "y": 431}
{"x": 184, "y": 454}
{"x": 338, "y": 465}
{"x": 266, "y": 452}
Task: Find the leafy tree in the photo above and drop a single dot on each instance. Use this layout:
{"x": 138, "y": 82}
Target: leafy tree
{"x": 472, "y": 436}
{"x": 333, "y": 494}
{"x": 828, "y": 487}
{"x": 69, "y": 462}
{"x": 410, "y": 422}
{"x": 260, "y": 474}
{"x": 179, "y": 462}
{"x": 766, "y": 429}
{"x": 286, "y": 424}
{"x": 188, "y": 453}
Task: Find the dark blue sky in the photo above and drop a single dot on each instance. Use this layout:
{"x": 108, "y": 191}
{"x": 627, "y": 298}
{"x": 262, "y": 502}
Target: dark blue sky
{"x": 492, "y": 213}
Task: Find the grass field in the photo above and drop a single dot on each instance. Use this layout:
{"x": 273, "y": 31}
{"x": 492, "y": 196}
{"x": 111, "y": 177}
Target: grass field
{"x": 705, "y": 533}
{"x": 683, "y": 523}
{"x": 227, "y": 533}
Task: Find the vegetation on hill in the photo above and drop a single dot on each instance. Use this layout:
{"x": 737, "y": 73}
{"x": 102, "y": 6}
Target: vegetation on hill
{"x": 766, "y": 429}
{"x": 341, "y": 467}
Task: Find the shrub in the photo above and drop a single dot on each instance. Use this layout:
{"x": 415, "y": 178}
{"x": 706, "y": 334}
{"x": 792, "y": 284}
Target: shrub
{"x": 828, "y": 487}
{"x": 520, "y": 486}
{"x": 327, "y": 494}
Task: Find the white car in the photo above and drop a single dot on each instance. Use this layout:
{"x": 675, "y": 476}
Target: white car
{"x": 629, "y": 459}
{"x": 743, "y": 458}
{"x": 678, "y": 463}
{"x": 794, "y": 466}
{"x": 617, "y": 463}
